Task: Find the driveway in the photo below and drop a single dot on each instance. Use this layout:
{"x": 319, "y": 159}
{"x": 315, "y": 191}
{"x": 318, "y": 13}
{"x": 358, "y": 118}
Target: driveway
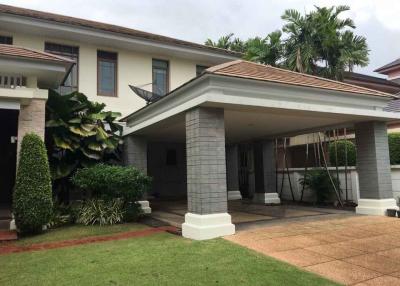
{"x": 354, "y": 250}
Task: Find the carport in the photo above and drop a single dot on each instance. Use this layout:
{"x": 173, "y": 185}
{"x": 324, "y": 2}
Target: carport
{"x": 244, "y": 102}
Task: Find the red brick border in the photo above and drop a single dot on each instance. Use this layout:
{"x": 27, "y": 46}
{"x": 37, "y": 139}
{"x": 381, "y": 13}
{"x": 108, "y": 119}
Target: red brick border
{"x": 11, "y": 248}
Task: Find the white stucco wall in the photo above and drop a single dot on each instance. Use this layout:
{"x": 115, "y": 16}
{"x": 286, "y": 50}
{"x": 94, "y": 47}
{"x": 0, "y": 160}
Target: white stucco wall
{"x": 133, "y": 68}
{"x": 352, "y": 183}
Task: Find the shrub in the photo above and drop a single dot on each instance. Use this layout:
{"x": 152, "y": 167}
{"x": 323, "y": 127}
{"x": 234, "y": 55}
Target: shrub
{"x": 32, "y": 202}
{"x": 318, "y": 181}
{"x": 394, "y": 148}
{"x": 341, "y": 153}
{"x": 97, "y": 211}
{"x": 107, "y": 182}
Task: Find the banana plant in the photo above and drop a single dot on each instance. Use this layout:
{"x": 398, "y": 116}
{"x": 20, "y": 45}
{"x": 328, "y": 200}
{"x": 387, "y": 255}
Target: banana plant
{"x": 79, "y": 133}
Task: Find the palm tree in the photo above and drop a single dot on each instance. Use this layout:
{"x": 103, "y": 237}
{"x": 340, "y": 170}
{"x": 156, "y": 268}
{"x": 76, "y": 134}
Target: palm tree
{"x": 227, "y": 42}
{"x": 267, "y": 50}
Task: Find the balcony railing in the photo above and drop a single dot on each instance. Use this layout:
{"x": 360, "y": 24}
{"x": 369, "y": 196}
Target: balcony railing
{"x": 11, "y": 81}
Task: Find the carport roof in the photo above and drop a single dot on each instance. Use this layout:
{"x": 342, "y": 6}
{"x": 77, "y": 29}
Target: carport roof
{"x": 255, "y": 71}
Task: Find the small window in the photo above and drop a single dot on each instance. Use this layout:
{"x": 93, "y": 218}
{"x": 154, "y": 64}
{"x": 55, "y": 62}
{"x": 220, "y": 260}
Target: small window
{"x": 160, "y": 77}
{"x": 171, "y": 157}
{"x": 107, "y": 73}
{"x": 71, "y": 82}
{"x": 200, "y": 69}
{"x": 6, "y": 40}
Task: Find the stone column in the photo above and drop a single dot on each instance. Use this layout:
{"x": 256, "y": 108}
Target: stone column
{"x": 232, "y": 172}
{"x": 207, "y": 215}
{"x": 373, "y": 166}
{"x": 31, "y": 119}
{"x": 135, "y": 154}
{"x": 265, "y": 173}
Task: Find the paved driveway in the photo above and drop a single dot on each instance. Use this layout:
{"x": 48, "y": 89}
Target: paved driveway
{"x": 356, "y": 250}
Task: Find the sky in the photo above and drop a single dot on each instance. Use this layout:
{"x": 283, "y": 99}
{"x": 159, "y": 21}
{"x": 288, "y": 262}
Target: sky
{"x": 197, "y": 20}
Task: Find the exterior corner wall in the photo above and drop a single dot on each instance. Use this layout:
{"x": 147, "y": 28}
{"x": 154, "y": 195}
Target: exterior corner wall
{"x": 206, "y": 165}
{"x": 135, "y": 152}
{"x": 32, "y": 119}
{"x": 232, "y": 167}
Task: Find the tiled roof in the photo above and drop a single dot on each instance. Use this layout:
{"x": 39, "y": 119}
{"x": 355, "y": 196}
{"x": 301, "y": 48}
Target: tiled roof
{"x": 250, "y": 70}
{"x": 20, "y": 52}
{"x": 6, "y": 9}
{"x": 389, "y": 65}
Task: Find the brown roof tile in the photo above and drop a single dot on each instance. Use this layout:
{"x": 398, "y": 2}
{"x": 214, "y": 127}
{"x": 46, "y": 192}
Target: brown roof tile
{"x": 7, "y": 9}
{"x": 21, "y": 52}
{"x": 250, "y": 70}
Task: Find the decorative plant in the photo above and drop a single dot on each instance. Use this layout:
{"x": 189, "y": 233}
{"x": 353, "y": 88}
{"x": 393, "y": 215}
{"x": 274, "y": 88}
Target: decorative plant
{"x": 32, "y": 202}
{"x": 106, "y": 183}
{"x": 97, "y": 211}
{"x": 340, "y": 148}
{"x": 79, "y": 133}
{"x": 318, "y": 180}
{"x": 394, "y": 148}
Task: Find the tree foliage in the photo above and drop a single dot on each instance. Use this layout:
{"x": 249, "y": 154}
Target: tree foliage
{"x": 32, "y": 201}
{"x": 340, "y": 148}
{"x": 319, "y": 42}
{"x": 79, "y": 133}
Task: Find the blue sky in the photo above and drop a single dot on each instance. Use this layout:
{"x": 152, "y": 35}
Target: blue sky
{"x": 197, "y": 20}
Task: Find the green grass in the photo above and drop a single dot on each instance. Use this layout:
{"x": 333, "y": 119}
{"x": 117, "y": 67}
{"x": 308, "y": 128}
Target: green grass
{"x": 160, "y": 259}
{"x": 78, "y": 231}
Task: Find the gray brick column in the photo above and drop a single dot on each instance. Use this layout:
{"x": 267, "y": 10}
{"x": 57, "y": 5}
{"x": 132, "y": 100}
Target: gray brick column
{"x": 135, "y": 154}
{"x": 373, "y": 167}
{"x": 232, "y": 172}
{"x": 207, "y": 215}
{"x": 265, "y": 173}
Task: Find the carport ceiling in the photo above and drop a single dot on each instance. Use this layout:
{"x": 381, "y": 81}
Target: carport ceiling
{"x": 254, "y": 123}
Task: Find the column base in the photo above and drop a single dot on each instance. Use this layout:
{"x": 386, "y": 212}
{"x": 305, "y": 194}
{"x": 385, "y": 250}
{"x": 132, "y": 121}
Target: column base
{"x": 375, "y": 206}
{"x": 201, "y": 227}
{"x": 267, "y": 198}
{"x": 234, "y": 195}
{"x": 145, "y": 206}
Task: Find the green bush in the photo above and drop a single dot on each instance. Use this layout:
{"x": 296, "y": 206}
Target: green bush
{"x": 394, "y": 148}
{"x": 318, "y": 181}
{"x": 32, "y": 202}
{"x": 341, "y": 153}
{"x": 97, "y": 211}
{"x": 108, "y": 182}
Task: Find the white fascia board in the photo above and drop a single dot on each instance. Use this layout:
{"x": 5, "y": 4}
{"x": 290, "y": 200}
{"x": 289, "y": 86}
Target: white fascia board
{"x": 25, "y": 65}
{"x": 8, "y": 104}
{"x": 111, "y": 37}
{"x": 206, "y": 91}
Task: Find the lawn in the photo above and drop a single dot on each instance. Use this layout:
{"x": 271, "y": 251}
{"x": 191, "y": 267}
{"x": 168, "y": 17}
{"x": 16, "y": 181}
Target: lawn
{"x": 159, "y": 259}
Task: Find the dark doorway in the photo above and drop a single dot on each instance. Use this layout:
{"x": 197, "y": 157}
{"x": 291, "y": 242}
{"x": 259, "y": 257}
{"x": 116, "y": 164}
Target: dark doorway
{"x": 8, "y": 154}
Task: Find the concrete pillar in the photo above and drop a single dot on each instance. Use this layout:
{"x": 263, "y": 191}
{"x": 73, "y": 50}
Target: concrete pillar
{"x": 373, "y": 166}
{"x": 265, "y": 173}
{"x": 135, "y": 154}
{"x": 232, "y": 172}
{"x": 32, "y": 119}
{"x": 207, "y": 215}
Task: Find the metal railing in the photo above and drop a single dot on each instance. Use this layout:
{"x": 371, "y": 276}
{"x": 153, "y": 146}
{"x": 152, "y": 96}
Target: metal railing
{"x": 11, "y": 81}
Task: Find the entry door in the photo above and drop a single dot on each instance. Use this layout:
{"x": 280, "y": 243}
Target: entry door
{"x": 8, "y": 154}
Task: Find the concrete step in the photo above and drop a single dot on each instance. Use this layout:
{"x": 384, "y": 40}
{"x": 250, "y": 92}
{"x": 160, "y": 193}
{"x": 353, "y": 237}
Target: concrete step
{"x": 5, "y": 224}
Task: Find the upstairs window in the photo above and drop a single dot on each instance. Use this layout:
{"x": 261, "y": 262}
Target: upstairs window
{"x": 200, "y": 69}
{"x": 107, "y": 73}
{"x": 6, "y": 40}
{"x": 71, "y": 82}
{"x": 160, "y": 77}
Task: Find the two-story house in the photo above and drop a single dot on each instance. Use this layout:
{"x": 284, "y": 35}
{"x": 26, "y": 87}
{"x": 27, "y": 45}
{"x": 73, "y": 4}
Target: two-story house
{"x": 188, "y": 140}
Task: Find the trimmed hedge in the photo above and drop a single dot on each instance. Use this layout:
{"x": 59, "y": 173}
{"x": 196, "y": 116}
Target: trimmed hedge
{"x": 341, "y": 150}
{"x": 394, "y": 148}
{"x": 32, "y": 199}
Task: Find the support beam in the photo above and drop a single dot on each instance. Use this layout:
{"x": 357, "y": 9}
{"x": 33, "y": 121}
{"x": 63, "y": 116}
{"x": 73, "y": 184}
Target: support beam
{"x": 135, "y": 154}
{"x": 265, "y": 173}
{"x": 232, "y": 172}
{"x": 373, "y": 166}
{"x": 207, "y": 215}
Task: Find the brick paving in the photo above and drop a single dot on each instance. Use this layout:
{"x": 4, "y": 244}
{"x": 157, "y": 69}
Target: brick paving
{"x": 354, "y": 250}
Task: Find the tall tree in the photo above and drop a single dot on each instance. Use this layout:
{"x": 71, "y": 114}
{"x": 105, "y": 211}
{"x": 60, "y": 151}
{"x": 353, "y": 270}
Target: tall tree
{"x": 266, "y": 51}
{"x": 227, "y": 42}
